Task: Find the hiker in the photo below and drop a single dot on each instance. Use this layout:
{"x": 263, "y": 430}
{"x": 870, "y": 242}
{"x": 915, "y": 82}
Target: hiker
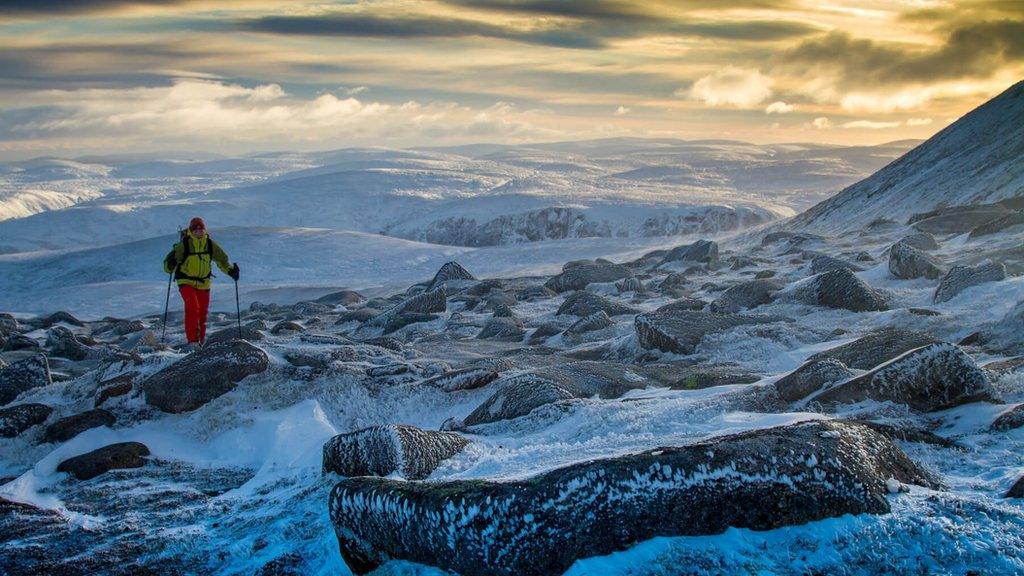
{"x": 190, "y": 260}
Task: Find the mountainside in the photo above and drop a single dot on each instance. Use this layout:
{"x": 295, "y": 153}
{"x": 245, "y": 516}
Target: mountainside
{"x": 977, "y": 159}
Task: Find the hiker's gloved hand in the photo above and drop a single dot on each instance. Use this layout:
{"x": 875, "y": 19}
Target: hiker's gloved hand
{"x": 171, "y": 262}
{"x": 233, "y": 272}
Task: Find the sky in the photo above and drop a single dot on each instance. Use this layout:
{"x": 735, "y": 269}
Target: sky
{"x": 244, "y": 76}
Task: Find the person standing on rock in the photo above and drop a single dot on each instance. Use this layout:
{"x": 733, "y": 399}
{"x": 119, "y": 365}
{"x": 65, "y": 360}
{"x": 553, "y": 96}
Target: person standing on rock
{"x": 191, "y": 262}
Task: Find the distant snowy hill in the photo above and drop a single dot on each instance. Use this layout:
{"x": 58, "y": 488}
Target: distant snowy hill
{"x": 978, "y": 159}
{"x": 470, "y": 196}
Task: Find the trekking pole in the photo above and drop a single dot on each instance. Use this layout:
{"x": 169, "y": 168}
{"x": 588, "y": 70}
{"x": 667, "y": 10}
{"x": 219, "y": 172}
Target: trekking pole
{"x": 238, "y": 311}
{"x": 167, "y": 304}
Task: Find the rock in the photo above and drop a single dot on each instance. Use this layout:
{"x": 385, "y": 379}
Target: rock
{"x": 923, "y": 312}
{"x": 448, "y": 272}
{"x": 934, "y": 377}
{"x": 544, "y": 331}
{"x": 596, "y": 321}
{"x": 18, "y": 341}
{"x": 383, "y": 450}
{"x": 285, "y": 327}
{"x": 8, "y": 323}
{"x": 128, "y": 327}
{"x": 116, "y": 386}
{"x": 811, "y": 377}
{"x": 704, "y": 376}
{"x": 62, "y": 342}
{"x": 1008, "y": 366}
{"x": 1006, "y": 334}
{"x": 762, "y": 274}
{"x": 823, "y": 263}
{"x": 577, "y": 277}
{"x": 430, "y": 302}
{"x": 386, "y": 342}
{"x": 358, "y": 315}
{"x": 343, "y": 297}
{"x": 705, "y": 251}
{"x": 760, "y": 480}
{"x": 1009, "y": 420}
{"x": 248, "y": 333}
{"x": 504, "y": 329}
{"x": 23, "y": 375}
{"x": 746, "y": 295}
{"x": 921, "y": 241}
{"x": 462, "y": 379}
{"x": 956, "y": 219}
{"x": 907, "y": 262}
{"x": 903, "y": 434}
{"x": 841, "y": 288}
{"x": 680, "y": 332}
{"x": 1017, "y": 490}
{"x": 533, "y": 293}
{"x": 682, "y": 304}
{"x": 673, "y": 280}
{"x": 998, "y": 225}
{"x": 67, "y": 428}
{"x": 16, "y": 419}
{"x": 503, "y": 311}
{"x": 631, "y": 284}
{"x": 875, "y": 348}
{"x": 399, "y": 321}
{"x": 960, "y": 278}
{"x": 61, "y": 316}
{"x": 112, "y": 457}
{"x": 305, "y": 309}
{"x": 583, "y": 303}
{"x": 204, "y": 375}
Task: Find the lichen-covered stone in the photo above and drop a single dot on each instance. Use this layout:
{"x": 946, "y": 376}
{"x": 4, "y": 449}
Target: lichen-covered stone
{"x": 577, "y": 277}
{"x": 384, "y": 450}
{"x": 583, "y": 303}
{"x": 875, "y": 348}
{"x": 907, "y": 263}
{"x": 811, "y": 377}
{"x": 68, "y": 427}
{"x": 462, "y": 379}
{"x": 681, "y": 331}
{"x": 824, "y": 263}
{"x": 960, "y": 278}
{"x": 760, "y": 480}
{"x": 933, "y": 377}
{"x": 746, "y": 295}
{"x": 112, "y": 457}
{"x": 16, "y": 419}
{"x": 204, "y": 375}
{"x": 841, "y": 288}
{"x": 23, "y": 375}
{"x": 505, "y": 329}
{"x": 62, "y": 342}
{"x": 448, "y": 272}
{"x": 921, "y": 241}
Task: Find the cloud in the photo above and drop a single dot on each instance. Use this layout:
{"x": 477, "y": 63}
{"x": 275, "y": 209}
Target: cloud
{"x": 44, "y": 7}
{"x": 870, "y": 124}
{"x": 779, "y": 107}
{"x": 731, "y": 86}
{"x": 622, "y": 111}
{"x": 821, "y": 123}
{"x": 918, "y": 121}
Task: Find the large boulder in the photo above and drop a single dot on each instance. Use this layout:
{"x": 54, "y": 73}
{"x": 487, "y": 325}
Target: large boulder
{"x": 204, "y": 375}
{"x": 681, "y": 331}
{"x": 462, "y": 379}
{"x": 960, "y": 278}
{"x": 841, "y": 288}
{"x": 18, "y": 341}
{"x": 16, "y": 419}
{"x": 583, "y": 303}
{"x": 62, "y": 342}
{"x": 8, "y": 323}
{"x": 398, "y": 321}
{"x": 1000, "y": 224}
{"x": 703, "y": 376}
{"x": 824, "y": 263}
{"x": 23, "y": 375}
{"x": 112, "y": 457}
{"x": 343, "y": 297}
{"x": 933, "y": 377}
{"x": 247, "y": 332}
{"x": 113, "y": 387}
{"x": 596, "y": 321}
{"x": 1006, "y": 334}
{"x": 875, "y": 348}
{"x": 384, "y": 450}
{"x": 503, "y": 329}
{"x": 746, "y": 295}
{"x": 703, "y": 251}
{"x": 907, "y": 262}
{"x": 811, "y": 377}
{"x": 429, "y": 302}
{"x": 577, "y": 277}
{"x": 67, "y": 428}
{"x": 61, "y": 317}
{"x": 921, "y": 241}
{"x": 956, "y": 219}
{"x": 761, "y": 480}
{"x": 1009, "y": 420}
{"x": 449, "y": 271}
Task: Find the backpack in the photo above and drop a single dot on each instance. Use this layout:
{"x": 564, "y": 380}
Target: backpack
{"x": 183, "y": 238}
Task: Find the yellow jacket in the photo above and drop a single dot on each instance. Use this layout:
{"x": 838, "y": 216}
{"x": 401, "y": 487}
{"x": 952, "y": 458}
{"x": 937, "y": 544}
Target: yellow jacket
{"x": 194, "y": 267}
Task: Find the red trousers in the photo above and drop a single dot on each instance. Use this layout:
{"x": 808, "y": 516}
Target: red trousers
{"x": 197, "y": 303}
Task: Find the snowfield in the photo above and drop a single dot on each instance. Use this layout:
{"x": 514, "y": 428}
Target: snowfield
{"x": 597, "y": 357}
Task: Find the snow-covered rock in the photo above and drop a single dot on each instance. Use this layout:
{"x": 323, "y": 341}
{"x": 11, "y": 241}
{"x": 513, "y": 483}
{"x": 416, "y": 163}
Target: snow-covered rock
{"x": 204, "y": 375}
{"x": 875, "y": 348}
{"x": 467, "y": 378}
{"x": 746, "y": 295}
{"x": 960, "y": 278}
{"x": 70, "y": 426}
{"x": 384, "y": 450}
{"x": 702, "y": 251}
{"x": 839, "y": 288}
{"x": 23, "y": 375}
{"x": 811, "y": 377}
{"x": 681, "y": 331}
{"x": 583, "y": 303}
{"x": 577, "y": 277}
{"x": 112, "y": 457}
{"x": 450, "y": 271}
{"x": 16, "y": 419}
{"x": 907, "y": 263}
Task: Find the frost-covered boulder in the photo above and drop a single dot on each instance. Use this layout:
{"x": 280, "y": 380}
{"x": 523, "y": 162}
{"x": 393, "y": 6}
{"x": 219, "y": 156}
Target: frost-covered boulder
{"x": 840, "y": 288}
{"x": 343, "y": 297}
{"x": 596, "y": 321}
{"x": 811, "y": 377}
{"x": 534, "y": 293}
{"x": 247, "y": 332}
{"x": 631, "y": 284}
{"x": 1017, "y": 490}
{"x": 960, "y": 278}
{"x": 681, "y": 331}
{"x": 285, "y": 327}
{"x": 112, "y": 457}
{"x": 703, "y": 251}
{"x": 462, "y": 379}
{"x": 112, "y": 387}
{"x": 18, "y": 341}
{"x": 23, "y": 375}
{"x": 1007, "y": 334}
{"x": 577, "y": 277}
{"x": 450, "y": 271}
{"x": 62, "y": 342}
{"x": 68, "y": 427}
{"x": 62, "y": 316}
{"x": 583, "y": 303}
{"x": 703, "y": 376}
{"x": 398, "y": 321}
{"x": 1009, "y": 420}
{"x": 921, "y": 241}
{"x": 384, "y": 450}
{"x": 204, "y": 375}
{"x": 933, "y": 377}
{"x": 16, "y": 419}
{"x": 761, "y": 480}
{"x": 1011, "y": 220}
{"x": 956, "y": 219}
{"x": 746, "y": 295}
{"x": 682, "y": 304}
{"x": 907, "y": 262}
{"x": 8, "y": 323}
{"x": 358, "y": 315}
{"x": 504, "y": 329}
{"x": 824, "y": 263}
{"x": 429, "y": 302}
{"x": 545, "y": 331}
{"x": 875, "y": 348}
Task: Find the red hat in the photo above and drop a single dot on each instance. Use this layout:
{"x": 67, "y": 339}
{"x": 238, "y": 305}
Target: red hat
{"x": 197, "y": 222}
